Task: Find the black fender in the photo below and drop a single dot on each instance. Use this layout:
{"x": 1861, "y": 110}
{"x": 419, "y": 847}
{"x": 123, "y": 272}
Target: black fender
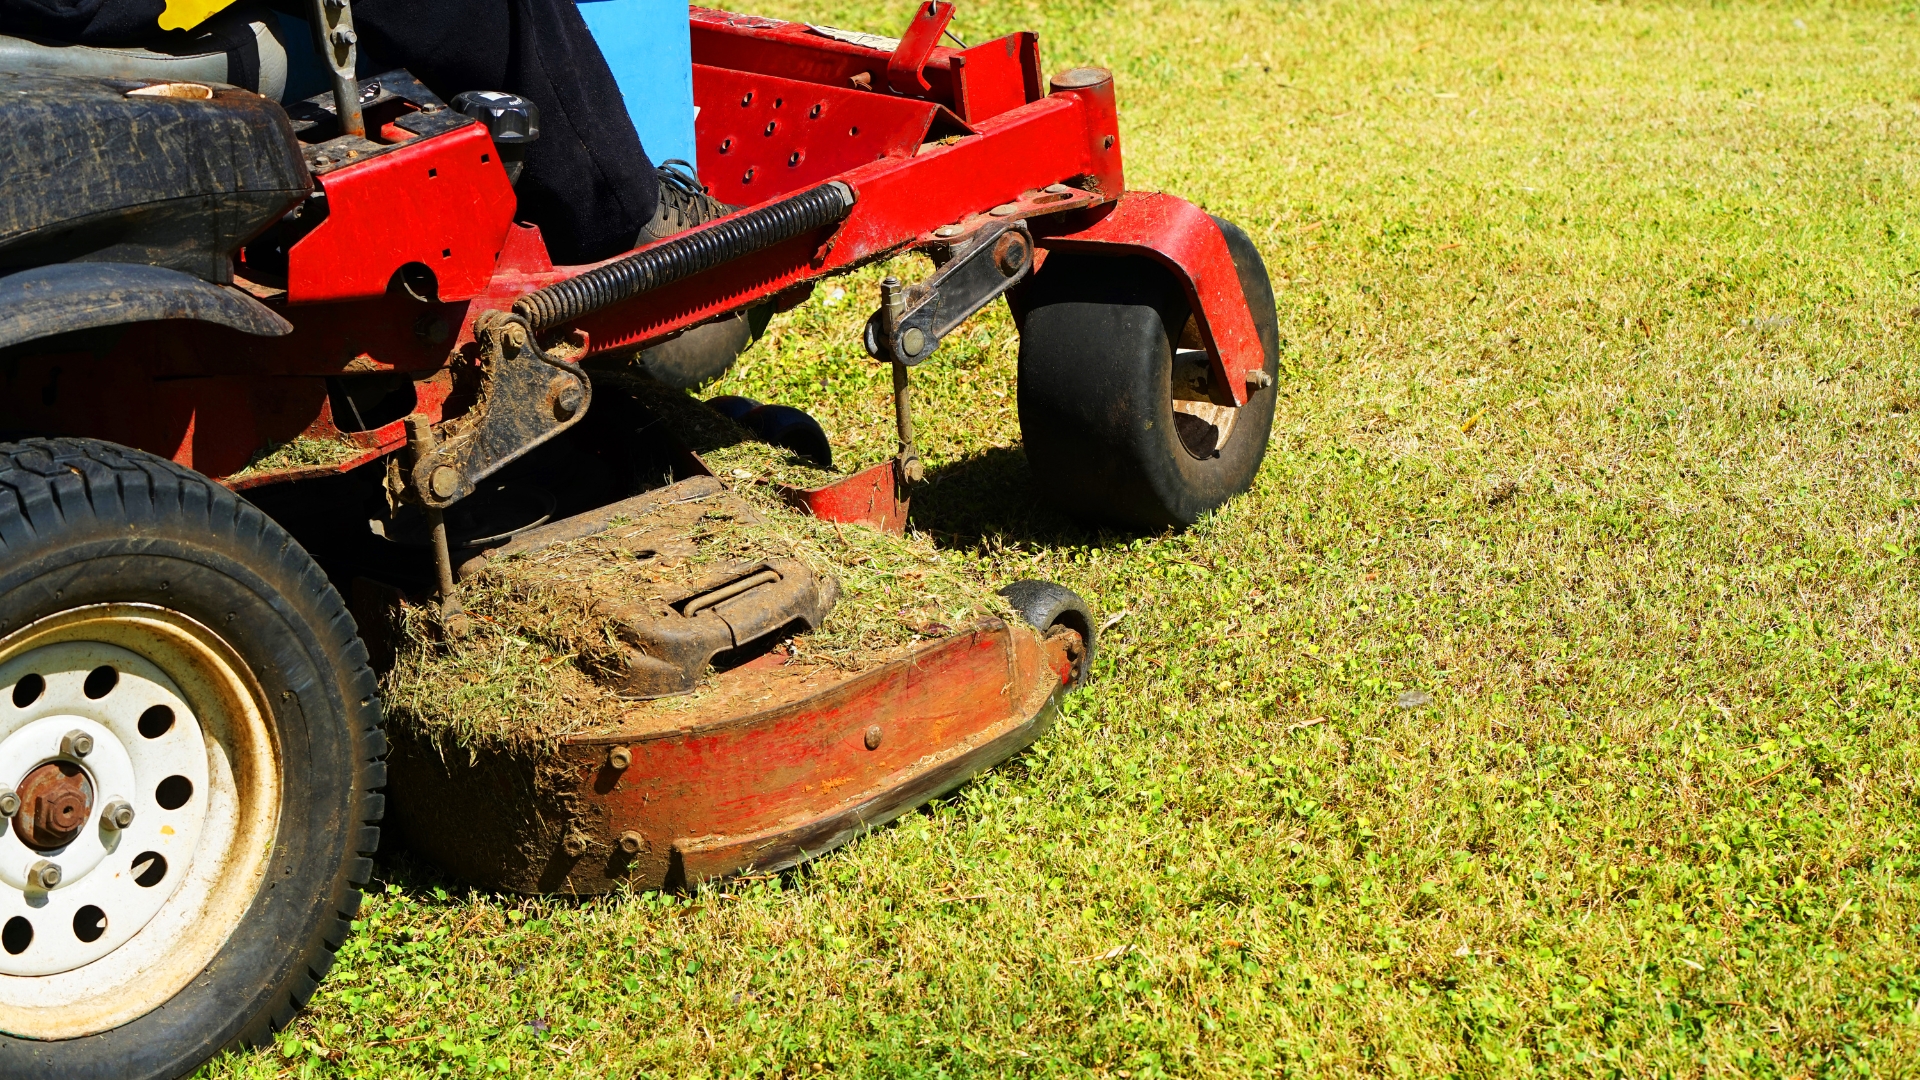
{"x": 57, "y": 299}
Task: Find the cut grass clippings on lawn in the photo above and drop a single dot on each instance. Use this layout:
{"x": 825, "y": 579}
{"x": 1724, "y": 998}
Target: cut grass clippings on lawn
{"x": 1597, "y": 425}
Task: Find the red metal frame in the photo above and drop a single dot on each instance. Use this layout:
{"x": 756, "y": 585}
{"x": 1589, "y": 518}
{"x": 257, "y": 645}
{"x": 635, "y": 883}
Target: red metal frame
{"x": 781, "y": 109}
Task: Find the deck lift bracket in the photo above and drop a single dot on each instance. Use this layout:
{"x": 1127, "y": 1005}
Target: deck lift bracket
{"x": 527, "y": 397}
{"x": 977, "y": 266}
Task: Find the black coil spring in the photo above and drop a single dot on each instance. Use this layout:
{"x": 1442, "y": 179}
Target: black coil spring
{"x": 685, "y": 255}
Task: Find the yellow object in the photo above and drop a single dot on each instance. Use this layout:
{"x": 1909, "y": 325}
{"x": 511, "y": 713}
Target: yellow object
{"x": 187, "y": 14}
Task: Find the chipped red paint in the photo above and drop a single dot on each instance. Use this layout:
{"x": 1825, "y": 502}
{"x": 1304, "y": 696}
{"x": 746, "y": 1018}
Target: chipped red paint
{"x": 757, "y": 776}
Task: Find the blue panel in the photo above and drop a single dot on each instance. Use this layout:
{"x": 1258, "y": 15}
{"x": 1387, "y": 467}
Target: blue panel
{"x": 646, "y": 43}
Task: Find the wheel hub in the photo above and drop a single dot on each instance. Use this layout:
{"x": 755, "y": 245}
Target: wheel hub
{"x": 110, "y": 802}
{"x": 56, "y": 800}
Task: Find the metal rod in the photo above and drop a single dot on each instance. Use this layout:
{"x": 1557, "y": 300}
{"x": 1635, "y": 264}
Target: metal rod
{"x": 453, "y": 616}
{"x": 910, "y": 468}
{"x": 333, "y": 25}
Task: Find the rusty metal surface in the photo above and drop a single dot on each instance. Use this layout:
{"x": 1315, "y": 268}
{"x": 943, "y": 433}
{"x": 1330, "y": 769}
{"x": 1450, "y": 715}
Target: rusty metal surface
{"x": 56, "y": 800}
{"x": 778, "y": 763}
{"x": 580, "y": 526}
{"x": 669, "y": 640}
{"x": 528, "y": 397}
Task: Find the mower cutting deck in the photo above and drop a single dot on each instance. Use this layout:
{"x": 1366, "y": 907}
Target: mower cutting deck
{"x": 257, "y": 356}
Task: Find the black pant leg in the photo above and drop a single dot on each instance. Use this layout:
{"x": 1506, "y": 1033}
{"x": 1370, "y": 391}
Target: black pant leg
{"x": 588, "y": 183}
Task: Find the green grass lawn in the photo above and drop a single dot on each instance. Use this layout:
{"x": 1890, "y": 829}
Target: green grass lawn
{"x": 1596, "y": 427}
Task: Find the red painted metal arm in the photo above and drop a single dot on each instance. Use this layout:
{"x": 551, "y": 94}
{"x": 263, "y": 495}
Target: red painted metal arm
{"x": 1186, "y": 240}
{"x": 909, "y": 59}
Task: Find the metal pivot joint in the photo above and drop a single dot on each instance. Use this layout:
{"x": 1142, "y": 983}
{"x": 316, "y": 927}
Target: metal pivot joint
{"x": 526, "y": 398}
{"x": 977, "y": 270}
{"x": 333, "y": 24}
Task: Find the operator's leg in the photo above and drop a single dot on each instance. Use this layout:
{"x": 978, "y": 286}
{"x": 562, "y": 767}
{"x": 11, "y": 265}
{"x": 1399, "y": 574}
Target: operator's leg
{"x": 588, "y": 184}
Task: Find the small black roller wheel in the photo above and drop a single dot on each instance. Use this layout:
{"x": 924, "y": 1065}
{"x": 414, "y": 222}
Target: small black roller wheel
{"x": 1108, "y": 432}
{"x": 778, "y": 425}
{"x": 192, "y": 732}
{"x": 1046, "y": 606}
{"x": 791, "y": 429}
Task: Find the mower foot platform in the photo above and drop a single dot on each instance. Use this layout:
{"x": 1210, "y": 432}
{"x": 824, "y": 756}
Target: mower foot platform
{"x": 780, "y": 762}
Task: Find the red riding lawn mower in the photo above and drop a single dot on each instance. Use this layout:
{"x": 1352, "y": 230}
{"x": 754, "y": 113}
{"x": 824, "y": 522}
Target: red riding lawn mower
{"x": 196, "y": 279}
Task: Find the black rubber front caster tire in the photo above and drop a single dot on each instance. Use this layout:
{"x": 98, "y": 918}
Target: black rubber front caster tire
{"x": 1105, "y": 435}
{"x": 233, "y": 733}
{"x": 1046, "y": 607}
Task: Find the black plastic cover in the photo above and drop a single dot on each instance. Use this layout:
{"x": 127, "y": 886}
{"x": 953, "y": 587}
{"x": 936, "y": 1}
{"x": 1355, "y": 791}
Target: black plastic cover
{"x": 96, "y": 175}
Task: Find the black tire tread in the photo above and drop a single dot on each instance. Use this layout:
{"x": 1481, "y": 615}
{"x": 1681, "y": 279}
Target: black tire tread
{"x": 47, "y": 485}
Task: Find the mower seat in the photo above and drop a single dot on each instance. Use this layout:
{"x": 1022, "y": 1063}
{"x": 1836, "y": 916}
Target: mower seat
{"x": 242, "y": 46}
{"x": 108, "y": 170}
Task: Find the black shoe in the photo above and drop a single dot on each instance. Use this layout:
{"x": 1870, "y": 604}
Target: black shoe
{"x": 684, "y": 203}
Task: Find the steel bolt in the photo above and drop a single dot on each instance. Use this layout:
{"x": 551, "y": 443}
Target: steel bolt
{"x": 620, "y": 757}
{"x": 1259, "y": 380}
{"x": 1058, "y": 189}
{"x": 445, "y": 481}
{"x": 912, "y": 340}
{"x": 43, "y": 875}
{"x": 76, "y": 744}
{"x": 631, "y": 842}
{"x": 9, "y": 803}
{"x": 117, "y": 814}
{"x": 516, "y": 335}
{"x": 1005, "y": 210}
{"x": 344, "y": 37}
{"x": 873, "y": 737}
{"x": 948, "y": 232}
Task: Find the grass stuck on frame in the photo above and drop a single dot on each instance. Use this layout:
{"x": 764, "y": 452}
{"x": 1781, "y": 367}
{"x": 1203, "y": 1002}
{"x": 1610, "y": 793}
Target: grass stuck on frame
{"x": 1549, "y": 706}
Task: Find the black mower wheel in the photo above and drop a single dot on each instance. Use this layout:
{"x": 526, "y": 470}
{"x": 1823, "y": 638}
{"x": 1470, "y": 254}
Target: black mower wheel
{"x": 184, "y": 668}
{"x": 1105, "y": 434}
{"x": 1045, "y": 606}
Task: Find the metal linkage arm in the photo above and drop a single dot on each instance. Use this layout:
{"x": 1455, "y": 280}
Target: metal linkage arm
{"x": 333, "y": 25}
{"x": 978, "y": 269}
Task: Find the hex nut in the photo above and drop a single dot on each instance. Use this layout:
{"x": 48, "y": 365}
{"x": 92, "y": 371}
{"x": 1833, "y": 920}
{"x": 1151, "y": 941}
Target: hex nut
{"x": 445, "y": 481}
{"x": 873, "y": 737}
{"x": 76, "y": 743}
{"x": 43, "y": 875}
{"x": 117, "y": 814}
{"x": 631, "y": 842}
{"x": 620, "y": 757}
{"x": 9, "y": 803}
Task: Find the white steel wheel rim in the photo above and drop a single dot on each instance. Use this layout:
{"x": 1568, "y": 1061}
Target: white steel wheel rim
{"x": 160, "y": 929}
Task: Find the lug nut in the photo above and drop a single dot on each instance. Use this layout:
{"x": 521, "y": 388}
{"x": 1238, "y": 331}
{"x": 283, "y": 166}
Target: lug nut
{"x": 43, "y": 875}
{"x": 76, "y": 744}
{"x": 117, "y": 814}
{"x": 620, "y": 757}
{"x": 9, "y": 802}
{"x": 631, "y": 842}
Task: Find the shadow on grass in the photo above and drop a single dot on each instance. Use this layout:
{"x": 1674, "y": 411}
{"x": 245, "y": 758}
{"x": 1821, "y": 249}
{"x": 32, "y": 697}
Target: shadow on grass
{"x": 991, "y": 499}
